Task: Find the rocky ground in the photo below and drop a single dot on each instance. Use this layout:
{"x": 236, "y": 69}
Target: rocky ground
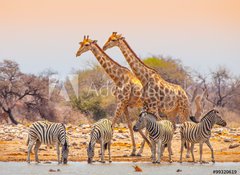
{"x": 225, "y": 141}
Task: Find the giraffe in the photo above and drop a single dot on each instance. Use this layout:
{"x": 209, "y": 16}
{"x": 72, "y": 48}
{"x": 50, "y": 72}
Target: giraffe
{"x": 128, "y": 89}
{"x": 160, "y": 96}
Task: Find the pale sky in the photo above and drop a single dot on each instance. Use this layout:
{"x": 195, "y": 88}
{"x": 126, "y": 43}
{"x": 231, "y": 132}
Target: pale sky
{"x": 45, "y": 34}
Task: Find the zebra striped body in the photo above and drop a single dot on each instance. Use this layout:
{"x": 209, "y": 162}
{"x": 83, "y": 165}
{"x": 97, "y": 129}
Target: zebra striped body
{"x": 160, "y": 133}
{"x": 101, "y": 133}
{"x": 200, "y": 132}
{"x": 48, "y": 133}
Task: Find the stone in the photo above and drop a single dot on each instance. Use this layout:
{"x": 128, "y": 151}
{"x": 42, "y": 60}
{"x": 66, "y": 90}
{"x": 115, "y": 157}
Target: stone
{"x": 234, "y": 145}
{"x": 227, "y": 139}
{"x": 74, "y": 144}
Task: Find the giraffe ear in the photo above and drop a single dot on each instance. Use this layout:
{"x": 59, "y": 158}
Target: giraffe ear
{"x": 80, "y": 43}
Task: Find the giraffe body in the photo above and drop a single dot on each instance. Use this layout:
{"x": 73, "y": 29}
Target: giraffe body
{"x": 159, "y": 95}
{"x": 128, "y": 89}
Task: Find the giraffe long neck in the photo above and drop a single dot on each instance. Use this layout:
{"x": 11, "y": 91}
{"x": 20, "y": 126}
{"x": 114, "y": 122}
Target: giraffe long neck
{"x": 109, "y": 65}
{"x": 142, "y": 71}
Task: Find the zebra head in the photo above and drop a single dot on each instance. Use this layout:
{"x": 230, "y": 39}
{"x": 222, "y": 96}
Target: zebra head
{"x": 65, "y": 151}
{"x": 218, "y": 119}
{"x": 142, "y": 121}
{"x": 90, "y": 152}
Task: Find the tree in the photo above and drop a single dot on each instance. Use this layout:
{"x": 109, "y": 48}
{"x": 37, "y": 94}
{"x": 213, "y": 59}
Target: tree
{"x": 170, "y": 69}
{"x": 18, "y": 88}
{"x": 222, "y": 88}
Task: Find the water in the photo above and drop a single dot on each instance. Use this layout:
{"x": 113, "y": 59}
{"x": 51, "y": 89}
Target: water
{"x": 115, "y": 168}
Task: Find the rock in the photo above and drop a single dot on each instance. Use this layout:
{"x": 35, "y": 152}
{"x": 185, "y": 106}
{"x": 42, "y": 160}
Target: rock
{"x": 137, "y": 168}
{"x": 227, "y": 139}
{"x": 120, "y": 131}
{"x": 120, "y": 136}
{"x": 74, "y": 144}
{"x": 218, "y": 130}
{"x": 234, "y": 145}
{"x": 178, "y": 170}
{"x": 85, "y": 126}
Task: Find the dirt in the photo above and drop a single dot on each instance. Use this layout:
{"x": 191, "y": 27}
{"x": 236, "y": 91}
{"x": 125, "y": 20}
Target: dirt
{"x": 13, "y": 146}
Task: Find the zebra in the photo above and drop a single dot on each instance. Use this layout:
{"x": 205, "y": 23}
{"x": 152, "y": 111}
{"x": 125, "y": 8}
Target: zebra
{"x": 42, "y": 132}
{"x": 101, "y": 133}
{"x": 160, "y": 133}
{"x": 200, "y": 132}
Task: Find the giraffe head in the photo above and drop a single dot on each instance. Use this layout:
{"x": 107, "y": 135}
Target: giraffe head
{"x": 112, "y": 41}
{"x": 85, "y": 45}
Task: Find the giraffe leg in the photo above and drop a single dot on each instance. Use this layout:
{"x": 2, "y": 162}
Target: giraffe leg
{"x": 146, "y": 134}
{"x": 119, "y": 111}
{"x": 142, "y": 145}
{"x": 131, "y": 132}
{"x": 183, "y": 117}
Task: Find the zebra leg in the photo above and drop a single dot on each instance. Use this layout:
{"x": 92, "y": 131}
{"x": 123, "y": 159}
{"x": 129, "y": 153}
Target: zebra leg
{"x": 109, "y": 152}
{"x": 58, "y": 153}
{"x": 163, "y": 148}
{"x": 130, "y": 127}
{"x": 182, "y": 145}
{"x": 153, "y": 152}
{"x": 188, "y": 150}
{"x": 169, "y": 145}
{"x": 192, "y": 147}
{"x": 102, "y": 151}
{"x": 37, "y": 145}
{"x": 30, "y": 145}
{"x": 211, "y": 148}
{"x": 159, "y": 148}
{"x": 201, "y": 147}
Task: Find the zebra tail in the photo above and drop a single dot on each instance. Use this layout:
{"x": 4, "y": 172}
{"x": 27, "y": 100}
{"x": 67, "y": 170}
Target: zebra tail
{"x": 185, "y": 145}
{"x": 105, "y": 146}
{"x": 27, "y": 141}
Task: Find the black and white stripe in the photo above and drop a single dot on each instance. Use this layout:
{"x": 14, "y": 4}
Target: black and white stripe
{"x": 101, "y": 133}
{"x": 160, "y": 133}
{"x": 200, "y": 132}
{"x": 43, "y": 132}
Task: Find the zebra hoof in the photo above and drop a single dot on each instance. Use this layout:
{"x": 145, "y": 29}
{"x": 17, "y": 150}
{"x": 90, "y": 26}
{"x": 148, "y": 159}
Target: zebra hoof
{"x": 170, "y": 161}
{"x": 158, "y": 162}
{"x": 110, "y": 161}
{"x": 103, "y": 161}
{"x": 133, "y": 154}
{"x": 213, "y": 161}
{"x": 139, "y": 155}
{"x": 154, "y": 162}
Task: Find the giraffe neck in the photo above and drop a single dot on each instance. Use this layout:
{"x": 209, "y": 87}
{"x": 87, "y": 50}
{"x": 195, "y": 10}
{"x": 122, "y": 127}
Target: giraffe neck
{"x": 141, "y": 71}
{"x": 108, "y": 64}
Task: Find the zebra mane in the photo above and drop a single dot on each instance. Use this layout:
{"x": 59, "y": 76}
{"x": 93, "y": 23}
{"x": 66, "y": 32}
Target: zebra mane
{"x": 213, "y": 110}
{"x": 149, "y": 114}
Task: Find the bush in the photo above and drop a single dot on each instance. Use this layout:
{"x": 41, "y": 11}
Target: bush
{"x": 89, "y": 104}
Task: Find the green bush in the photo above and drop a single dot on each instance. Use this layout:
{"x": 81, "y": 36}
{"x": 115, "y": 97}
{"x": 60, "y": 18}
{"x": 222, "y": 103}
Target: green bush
{"x": 89, "y": 104}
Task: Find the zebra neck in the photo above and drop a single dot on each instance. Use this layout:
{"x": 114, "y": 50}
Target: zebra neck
{"x": 151, "y": 126}
{"x": 207, "y": 123}
{"x": 92, "y": 143}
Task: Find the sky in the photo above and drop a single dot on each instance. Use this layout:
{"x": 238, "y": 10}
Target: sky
{"x": 39, "y": 35}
